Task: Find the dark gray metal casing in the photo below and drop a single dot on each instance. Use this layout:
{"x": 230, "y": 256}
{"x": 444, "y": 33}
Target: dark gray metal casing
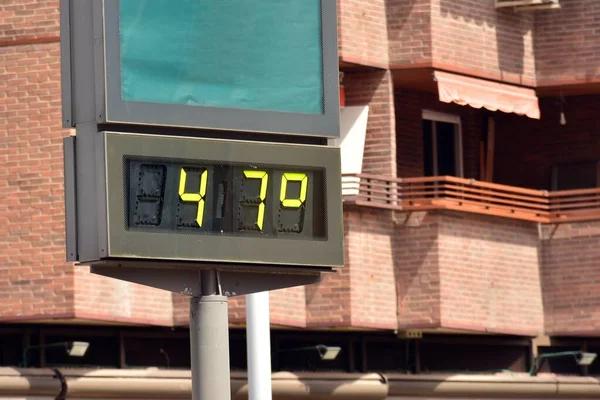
{"x": 103, "y": 70}
{"x": 104, "y": 236}
{"x": 88, "y": 226}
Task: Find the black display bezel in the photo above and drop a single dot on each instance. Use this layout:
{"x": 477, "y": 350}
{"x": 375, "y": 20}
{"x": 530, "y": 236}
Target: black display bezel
{"x": 315, "y": 202}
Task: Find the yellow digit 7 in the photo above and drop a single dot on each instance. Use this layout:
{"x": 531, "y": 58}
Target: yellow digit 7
{"x": 194, "y": 197}
{"x": 293, "y": 177}
{"x": 264, "y": 180}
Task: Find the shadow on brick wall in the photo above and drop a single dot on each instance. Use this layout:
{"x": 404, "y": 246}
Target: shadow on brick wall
{"x": 416, "y": 271}
{"x": 510, "y": 31}
{"x": 570, "y": 278}
{"x": 401, "y": 12}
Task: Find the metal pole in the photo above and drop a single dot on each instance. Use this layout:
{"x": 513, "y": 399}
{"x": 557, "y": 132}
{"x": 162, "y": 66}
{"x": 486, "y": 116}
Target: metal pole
{"x": 258, "y": 337}
{"x": 209, "y": 342}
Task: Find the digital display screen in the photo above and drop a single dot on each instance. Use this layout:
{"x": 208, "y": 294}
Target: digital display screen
{"x": 225, "y": 199}
{"x": 199, "y": 200}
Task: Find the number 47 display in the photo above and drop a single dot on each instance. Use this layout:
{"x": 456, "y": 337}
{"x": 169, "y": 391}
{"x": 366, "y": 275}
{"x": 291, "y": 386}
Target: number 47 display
{"x": 199, "y": 197}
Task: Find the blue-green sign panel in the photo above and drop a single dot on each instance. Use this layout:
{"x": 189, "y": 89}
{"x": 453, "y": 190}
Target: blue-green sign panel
{"x": 252, "y": 66}
{"x": 262, "y": 55}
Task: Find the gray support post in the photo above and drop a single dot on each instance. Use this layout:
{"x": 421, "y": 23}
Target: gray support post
{"x": 209, "y": 342}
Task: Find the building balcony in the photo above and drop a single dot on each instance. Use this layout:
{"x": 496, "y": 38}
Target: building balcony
{"x": 467, "y": 195}
{"x": 482, "y": 257}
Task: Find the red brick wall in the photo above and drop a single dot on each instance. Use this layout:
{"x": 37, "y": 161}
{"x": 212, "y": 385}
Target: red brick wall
{"x": 328, "y": 302}
{"x": 34, "y": 278}
{"x": 237, "y": 310}
{"x": 100, "y": 299}
{"x": 466, "y": 36}
{"x": 474, "y": 37}
{"x": 362, "y": 32}
{"x": 26, "y": 19}
{"x": 417, "y": 272}
{"x": 544, "y": 48}
{"x": 409, "y": 137}
{"x": 409, "y": 26}
{"x": 288, "y": 307}
{"x": 567, "y": 43}
{"x": 523, "y": 144}
{"x": 181, "y": 309}
{"x": 375, "y": 88}
{"x": 361, "y": 295}
{"x": 570, "y": 278}
{"x": 370, "y": 260}
{"x": 467, "y": 272}
{"x": 35, "y": 281}
{"x": 489, "y": 273}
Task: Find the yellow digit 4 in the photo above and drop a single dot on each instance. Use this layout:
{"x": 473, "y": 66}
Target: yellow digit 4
{"x": 194, "y": 197}
{"x": 293, "y": 177}
{"x": 264, "y": 180}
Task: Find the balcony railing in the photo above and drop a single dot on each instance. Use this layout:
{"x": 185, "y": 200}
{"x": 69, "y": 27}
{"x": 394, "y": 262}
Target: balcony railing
{"x": 467, "y": 195}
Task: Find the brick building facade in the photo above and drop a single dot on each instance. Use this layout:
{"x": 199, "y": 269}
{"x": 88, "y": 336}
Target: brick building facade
{"x": 499, "y": 252}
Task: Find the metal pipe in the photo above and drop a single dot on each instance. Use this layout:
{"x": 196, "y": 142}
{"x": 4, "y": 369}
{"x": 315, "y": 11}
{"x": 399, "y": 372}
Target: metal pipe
{"x": 170, "y": 384}
{"x": 258, "y": 339}
{"x": 209, "y": 342}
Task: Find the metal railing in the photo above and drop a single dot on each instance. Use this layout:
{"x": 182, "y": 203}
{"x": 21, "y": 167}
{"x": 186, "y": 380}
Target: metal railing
{"x": 467, "y": 195}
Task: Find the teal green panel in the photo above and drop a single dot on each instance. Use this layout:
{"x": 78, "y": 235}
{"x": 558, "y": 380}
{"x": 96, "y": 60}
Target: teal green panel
{"x": 243, "y": 54}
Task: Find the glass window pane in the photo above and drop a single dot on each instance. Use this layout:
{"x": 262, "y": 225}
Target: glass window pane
{"x": 446, "y": 148}
{"x": 428, "y": 147}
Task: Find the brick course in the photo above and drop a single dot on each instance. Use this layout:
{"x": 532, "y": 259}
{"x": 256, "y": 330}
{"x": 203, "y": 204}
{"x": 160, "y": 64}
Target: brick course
{"x": 570, "y": 278}
{"x": 465, "y": 36}
{"x": 362, "y": 32}
{"x": 567, "y": 43}
{"x": 99, "y": 298}
{"x": 288, "y": 307}
{"x": 328, "y": 302}
{"x": 370, "y": 261}
{"x": 410, "y": 35}
{"x": 472, "y": 36}
{"x": 489, "y": 273}
{"x": 362, "y": 295}
{"x": 36, "y": 282}
{"x": 417, "y": 272}
{"x": 181, "y": 309}
{"x": 467, "y": 272}
{"x": 26, "y": 19}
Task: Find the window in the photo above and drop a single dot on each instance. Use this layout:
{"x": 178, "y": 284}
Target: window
{"x": 442, "y": 144}
{"x": 580, "y": 175}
